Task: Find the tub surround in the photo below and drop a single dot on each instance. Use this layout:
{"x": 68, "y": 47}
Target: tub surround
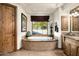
{"x": 39, "y": 45}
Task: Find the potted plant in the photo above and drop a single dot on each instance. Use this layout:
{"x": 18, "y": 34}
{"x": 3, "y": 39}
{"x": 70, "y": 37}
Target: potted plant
{"x": 28, "y": 34}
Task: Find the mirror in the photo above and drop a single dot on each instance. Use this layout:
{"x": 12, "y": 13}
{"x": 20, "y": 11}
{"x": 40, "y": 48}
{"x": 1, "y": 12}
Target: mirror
{"x": 74, "y": 20}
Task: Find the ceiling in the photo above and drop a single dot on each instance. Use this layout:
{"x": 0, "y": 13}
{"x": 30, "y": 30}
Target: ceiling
{"x": 40, "y": 8}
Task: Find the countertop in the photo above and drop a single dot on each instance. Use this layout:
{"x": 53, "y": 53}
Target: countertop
{"x": 73, "y": 36}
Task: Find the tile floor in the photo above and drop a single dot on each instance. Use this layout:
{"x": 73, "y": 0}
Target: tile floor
{"x": 23, "y": 52}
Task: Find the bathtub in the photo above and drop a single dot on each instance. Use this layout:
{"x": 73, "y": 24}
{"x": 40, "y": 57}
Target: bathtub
{"x": 39, "y": 43}
{"x": 40, "y": 38}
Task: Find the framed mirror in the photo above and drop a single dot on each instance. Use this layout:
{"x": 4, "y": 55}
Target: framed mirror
{"x": 74, "y": 19}
{"x": 23, "y": 23}
{"x": 64, "y": 23}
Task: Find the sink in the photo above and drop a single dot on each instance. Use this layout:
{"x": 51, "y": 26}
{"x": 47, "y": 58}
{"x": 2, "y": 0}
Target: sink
{"x": 71, "y": 34}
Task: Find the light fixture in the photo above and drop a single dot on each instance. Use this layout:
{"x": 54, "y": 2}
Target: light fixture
{"x": 75, "y": 11}
{"x": 75, "y": 14}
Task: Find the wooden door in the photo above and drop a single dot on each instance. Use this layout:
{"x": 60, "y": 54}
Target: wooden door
{"x": 9, "y": 28}
{"x": 1, "y": 48}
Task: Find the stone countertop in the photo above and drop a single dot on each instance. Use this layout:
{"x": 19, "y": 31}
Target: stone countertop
{"x": 73, "y": 37}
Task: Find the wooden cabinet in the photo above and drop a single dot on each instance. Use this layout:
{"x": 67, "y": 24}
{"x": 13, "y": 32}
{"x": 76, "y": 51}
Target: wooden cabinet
{"x": 7, "y": 28}
{"x": 78, "y": 51}
{"x": 67, "y": 47}
{"x": 73, "y": 50}
{"x": 70, "y": 46}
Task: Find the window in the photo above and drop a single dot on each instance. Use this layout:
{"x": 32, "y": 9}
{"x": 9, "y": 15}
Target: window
{"x": 39, "y": 27}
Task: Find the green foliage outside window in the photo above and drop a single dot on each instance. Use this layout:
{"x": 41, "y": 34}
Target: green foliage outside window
{"x": 39, "y": 25}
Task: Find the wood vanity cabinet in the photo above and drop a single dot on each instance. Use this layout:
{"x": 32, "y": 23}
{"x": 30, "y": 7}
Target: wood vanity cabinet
{"x": 67, "y": 47}
{"x": 78, "y": 52}
{"x": 73, "y": 50}
{"x": 70, "y": 46}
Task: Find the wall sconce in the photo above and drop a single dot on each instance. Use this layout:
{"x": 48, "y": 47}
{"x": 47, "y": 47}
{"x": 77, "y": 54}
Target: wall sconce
{"x": 75, "y": 14}
{"x": 75, "y": 11}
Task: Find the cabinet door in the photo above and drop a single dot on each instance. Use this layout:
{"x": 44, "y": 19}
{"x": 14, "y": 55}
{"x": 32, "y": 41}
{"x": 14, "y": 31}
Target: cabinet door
{"x": 67, "y": 47}
{"x": 73, "y": 50}
{"x": 77, "y": 51}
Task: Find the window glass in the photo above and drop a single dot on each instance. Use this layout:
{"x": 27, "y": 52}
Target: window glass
{"x": 39, "y": 27}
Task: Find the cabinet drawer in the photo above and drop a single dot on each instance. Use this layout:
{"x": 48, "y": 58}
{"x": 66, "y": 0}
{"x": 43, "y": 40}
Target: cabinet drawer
{"x": 78, "y": 51}
{"x": 73, "y": 50}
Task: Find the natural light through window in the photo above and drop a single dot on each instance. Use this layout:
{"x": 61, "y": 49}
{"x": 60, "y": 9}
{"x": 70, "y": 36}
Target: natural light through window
{"x": 39, "y": 27}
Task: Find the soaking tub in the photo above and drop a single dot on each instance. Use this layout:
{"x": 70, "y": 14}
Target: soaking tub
{"x": 39, "y": 43}
{"x": 40, "y": 38}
